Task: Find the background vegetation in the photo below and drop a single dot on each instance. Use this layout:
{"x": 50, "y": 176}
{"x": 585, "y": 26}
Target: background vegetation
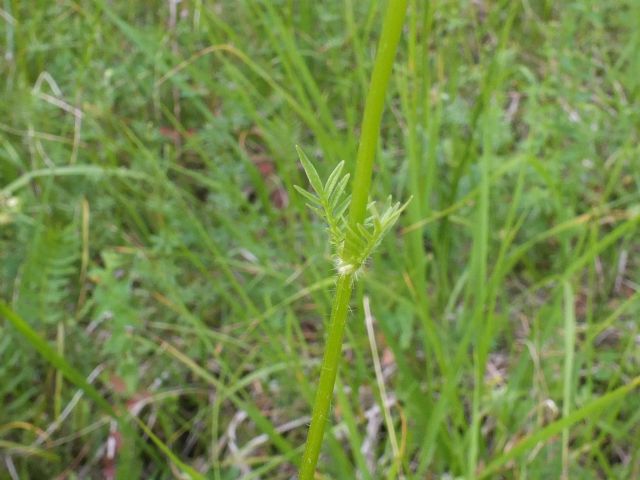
{"x": 151, "y": 234}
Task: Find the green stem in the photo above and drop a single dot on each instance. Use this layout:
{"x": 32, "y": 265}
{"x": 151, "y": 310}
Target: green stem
{"x": 330, "y": 363}
{"x": 391, "y": 30}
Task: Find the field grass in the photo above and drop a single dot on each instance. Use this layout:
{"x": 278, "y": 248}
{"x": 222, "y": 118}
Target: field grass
{"x": 166, "y": 292}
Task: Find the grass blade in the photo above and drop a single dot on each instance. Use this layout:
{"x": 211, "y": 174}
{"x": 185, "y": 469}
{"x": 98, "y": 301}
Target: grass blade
{"x": 569, "y": 345}
{"x": 594, "y": 407}
{"x": 75, "y": 377}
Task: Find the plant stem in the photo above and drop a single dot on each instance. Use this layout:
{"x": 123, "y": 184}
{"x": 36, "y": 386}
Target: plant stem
{"x": 327, "y": 381}
{"x": 391, "y": 30}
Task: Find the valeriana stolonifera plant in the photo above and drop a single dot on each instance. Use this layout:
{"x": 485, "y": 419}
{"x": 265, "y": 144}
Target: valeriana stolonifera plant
{"x": 353, "y": 237}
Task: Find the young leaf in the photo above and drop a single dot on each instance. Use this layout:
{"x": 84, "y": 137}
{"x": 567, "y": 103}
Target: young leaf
{"x": 309, "y": 196}
{"x": 342, "y": 207}
{"x": 312, "y": 174}
{"x": 333, "y": 179}
{"x": 339, "y": 190}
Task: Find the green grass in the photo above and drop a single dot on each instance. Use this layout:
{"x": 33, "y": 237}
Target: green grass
{"x": 155, "y": 255}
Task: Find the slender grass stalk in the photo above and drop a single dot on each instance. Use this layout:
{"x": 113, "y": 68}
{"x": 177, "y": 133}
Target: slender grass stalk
{"x": 391, "y": 30}
{"x": 569, "y": 346}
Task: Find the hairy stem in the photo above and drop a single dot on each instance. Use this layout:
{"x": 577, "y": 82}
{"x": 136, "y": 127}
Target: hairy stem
{"x": 328, "y": 373}
{"x": 391, "y": 30}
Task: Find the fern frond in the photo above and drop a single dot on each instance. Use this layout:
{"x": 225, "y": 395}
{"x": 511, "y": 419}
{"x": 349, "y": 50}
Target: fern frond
{"x": 48, "y": 274}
